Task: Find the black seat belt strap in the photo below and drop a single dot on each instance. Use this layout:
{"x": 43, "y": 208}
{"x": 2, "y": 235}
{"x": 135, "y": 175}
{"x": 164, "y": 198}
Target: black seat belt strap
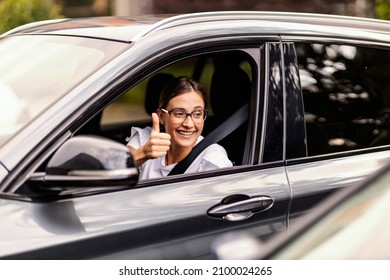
{"x": 224, "y": 129}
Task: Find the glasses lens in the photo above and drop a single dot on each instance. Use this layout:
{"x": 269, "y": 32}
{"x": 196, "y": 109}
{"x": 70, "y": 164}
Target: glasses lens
{"x": 179, "y": 115}
{"x": 198, "y": 115}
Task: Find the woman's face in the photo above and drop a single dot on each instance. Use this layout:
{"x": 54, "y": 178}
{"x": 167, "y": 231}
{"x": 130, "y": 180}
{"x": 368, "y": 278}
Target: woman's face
{"x": 184, "y": 131}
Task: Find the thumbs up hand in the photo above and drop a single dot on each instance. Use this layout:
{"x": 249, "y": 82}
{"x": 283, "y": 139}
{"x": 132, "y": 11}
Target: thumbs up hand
{"x": 155, "y": 123}
{"x": 157, "y": 145}
{"x": 159, "y": 142}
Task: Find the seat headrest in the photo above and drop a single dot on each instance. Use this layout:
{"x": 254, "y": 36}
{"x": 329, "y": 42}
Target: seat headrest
{"x": 230, "y": 90}
{"x": 153, "y": 90}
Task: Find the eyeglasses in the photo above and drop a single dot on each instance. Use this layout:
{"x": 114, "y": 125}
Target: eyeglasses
{"x": 180, "y": 115}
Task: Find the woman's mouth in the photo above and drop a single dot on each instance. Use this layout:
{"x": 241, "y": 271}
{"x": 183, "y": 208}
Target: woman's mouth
{"x": 186, "y": 133}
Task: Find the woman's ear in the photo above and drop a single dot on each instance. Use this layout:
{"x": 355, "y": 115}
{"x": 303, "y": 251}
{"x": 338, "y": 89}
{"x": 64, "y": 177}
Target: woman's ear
{"x": 160, "y": 116}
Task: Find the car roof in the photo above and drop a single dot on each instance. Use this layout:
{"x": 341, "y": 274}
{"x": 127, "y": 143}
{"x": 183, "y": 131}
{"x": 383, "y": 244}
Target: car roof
{"x": 129, "y": 29}
{"x": 110, "y": 28}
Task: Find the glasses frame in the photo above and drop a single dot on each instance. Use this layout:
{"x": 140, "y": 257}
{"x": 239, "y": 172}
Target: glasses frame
{"x": 205, "y": 113}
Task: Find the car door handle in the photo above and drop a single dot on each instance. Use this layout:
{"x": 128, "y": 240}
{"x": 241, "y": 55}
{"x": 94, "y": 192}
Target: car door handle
{"x": 240, "y": 207}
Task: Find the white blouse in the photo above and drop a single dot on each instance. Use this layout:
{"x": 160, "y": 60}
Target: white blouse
{"x": 213, "y": 157}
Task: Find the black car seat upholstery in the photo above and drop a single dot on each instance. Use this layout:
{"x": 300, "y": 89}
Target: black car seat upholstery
{"x": 230, "y": 90}
{"x": 153, "y": 89}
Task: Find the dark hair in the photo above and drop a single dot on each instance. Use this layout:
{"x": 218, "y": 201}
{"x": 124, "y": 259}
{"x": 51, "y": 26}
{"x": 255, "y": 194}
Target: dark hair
{"x": 178, "y": 86}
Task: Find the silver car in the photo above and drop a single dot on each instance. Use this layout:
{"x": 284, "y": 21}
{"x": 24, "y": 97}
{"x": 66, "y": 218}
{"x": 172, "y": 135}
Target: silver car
{"x": 305, "y": 98}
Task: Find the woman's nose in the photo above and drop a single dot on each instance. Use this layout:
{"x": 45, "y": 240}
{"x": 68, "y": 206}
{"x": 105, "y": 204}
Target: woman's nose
{"x": 188, "y": 122}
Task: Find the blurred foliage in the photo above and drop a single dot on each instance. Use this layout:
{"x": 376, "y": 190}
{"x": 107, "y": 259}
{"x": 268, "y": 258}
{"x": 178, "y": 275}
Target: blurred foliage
{"x": 383, "y": 9}
{"x": 14, "y": 13}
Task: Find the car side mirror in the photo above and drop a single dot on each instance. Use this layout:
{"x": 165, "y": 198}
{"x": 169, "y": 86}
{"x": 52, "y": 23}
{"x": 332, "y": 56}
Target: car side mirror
{"x": 91, "y": 161}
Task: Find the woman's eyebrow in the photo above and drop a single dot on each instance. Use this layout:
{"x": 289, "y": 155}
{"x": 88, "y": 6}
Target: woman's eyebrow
{"x": 177, "y": 108}
{"x": 194, "y": 108}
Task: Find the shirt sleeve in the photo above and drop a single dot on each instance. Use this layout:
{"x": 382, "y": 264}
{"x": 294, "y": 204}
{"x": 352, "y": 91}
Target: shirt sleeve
{"x": 215, "y": 156}
{"x": 139, "y": 136}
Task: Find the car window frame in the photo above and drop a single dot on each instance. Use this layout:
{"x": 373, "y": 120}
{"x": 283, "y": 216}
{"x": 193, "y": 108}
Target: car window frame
{"x": 253, "y": 50}
{"x": 337, "y": 41}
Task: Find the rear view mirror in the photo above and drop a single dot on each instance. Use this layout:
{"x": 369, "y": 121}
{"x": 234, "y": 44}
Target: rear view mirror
{"x": 91, "y": 161}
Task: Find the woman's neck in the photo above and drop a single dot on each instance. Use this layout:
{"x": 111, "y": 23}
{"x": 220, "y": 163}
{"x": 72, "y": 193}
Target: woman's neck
{"x": 178, "y": 155}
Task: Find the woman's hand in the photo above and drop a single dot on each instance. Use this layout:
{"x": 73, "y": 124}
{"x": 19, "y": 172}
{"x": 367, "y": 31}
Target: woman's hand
{"x": 157, "y": 145}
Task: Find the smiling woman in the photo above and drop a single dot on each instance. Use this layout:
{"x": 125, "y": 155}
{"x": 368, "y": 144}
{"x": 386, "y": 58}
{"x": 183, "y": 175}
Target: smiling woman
{"x": 182, "y": 112}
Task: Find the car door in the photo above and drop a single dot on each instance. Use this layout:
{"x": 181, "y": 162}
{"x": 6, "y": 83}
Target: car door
{"x": 344, "y": 91}
{"x": 175, "y": 217}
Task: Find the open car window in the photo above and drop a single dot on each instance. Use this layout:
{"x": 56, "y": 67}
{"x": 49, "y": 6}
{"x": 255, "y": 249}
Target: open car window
{"x": 228, "y": 82}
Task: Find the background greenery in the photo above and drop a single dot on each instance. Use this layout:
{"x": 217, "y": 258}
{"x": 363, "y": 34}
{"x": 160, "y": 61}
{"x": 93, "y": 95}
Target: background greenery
{"x": 14, "y": 13}
{"x": 382, "y": 9}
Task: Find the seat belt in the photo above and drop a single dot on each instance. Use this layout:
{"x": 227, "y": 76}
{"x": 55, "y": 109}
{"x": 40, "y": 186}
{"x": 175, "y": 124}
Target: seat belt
{"x": 223, "y": 130}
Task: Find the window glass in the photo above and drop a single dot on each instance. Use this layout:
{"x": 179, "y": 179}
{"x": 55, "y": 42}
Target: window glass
{"x": 346, "y": 96}
{"x": 37, "y": 70}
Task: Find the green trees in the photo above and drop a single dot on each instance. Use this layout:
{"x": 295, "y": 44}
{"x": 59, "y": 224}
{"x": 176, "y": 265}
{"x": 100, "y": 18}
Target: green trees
{"x": 383, "y": 9}
{"x": 14, "y": 13}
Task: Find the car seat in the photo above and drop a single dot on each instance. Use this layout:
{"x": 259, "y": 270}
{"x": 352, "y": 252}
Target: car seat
{"x": 153, "y": 90}
{"x": 230, "y": 90}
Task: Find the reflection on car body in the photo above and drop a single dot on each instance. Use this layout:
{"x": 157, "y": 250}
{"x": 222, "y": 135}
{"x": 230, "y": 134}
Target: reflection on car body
{"x": 317, "y": 122}
{"x": 349, "y": 225}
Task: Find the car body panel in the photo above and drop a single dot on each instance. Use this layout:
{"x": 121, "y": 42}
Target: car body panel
{"x": 358, "y": 211}
{"x": 330, "y": 175}
{"x": 41, "y": 225}
{"x": 344, "y": 226}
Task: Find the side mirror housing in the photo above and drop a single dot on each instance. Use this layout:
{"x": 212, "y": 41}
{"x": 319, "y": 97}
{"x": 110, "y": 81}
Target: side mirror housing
{"x": 91, "y": 161}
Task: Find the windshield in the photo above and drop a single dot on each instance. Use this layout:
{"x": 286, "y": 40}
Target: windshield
{"x": 359, "y": 228}
{"x": 37, "y": 70}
